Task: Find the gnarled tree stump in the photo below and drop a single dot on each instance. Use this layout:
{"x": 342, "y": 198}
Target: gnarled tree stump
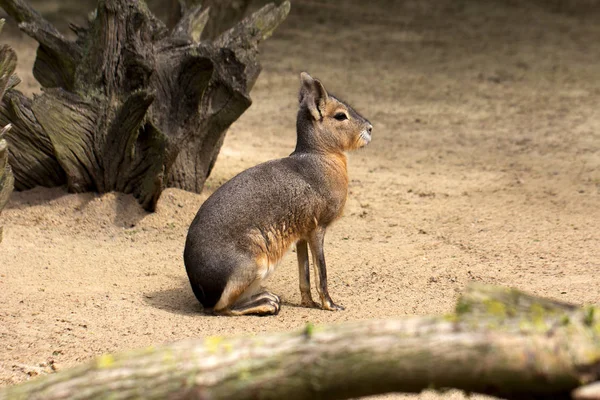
{"x": 131, "y": 106}
{"x": 8, "y": 63}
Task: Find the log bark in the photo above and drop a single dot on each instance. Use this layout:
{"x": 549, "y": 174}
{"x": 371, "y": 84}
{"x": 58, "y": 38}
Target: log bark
{"x": 499, "y": 341}
{"x": 131, "y": 106}
{"x": 8, "y": 63}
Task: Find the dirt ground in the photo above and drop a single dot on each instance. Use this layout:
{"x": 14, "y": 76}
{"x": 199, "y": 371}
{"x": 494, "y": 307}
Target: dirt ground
{"x": 484, "y": 166}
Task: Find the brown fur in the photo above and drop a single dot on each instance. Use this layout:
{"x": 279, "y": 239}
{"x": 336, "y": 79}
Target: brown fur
{"x": 244, "y": 229}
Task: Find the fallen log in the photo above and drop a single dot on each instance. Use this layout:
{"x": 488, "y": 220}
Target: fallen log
{"x": 499, "y": 342}
{"x": 131, "y": 106}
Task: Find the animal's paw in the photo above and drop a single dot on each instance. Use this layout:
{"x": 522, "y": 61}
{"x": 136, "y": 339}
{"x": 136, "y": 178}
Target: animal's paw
{"x": 266, "y": 306}
{"x": 309, "y": 303}
{"x": 276, "y": 306}
{"x": 268, "y": 295}
{"x": 331, "y": 306}
{"x": 272, "y": 302}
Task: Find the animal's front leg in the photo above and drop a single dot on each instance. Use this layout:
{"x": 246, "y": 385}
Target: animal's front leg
{"x": 317, "y": 239}
{"x": 304, "y": 274}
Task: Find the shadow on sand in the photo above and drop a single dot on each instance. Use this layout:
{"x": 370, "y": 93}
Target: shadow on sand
{"x": 179, "y": 300}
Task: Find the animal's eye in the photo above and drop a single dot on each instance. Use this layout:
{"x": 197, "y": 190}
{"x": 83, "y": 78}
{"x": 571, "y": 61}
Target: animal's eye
{"x": 340, "y": 116}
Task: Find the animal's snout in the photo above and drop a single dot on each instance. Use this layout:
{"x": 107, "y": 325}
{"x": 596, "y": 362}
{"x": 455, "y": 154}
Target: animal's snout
{"x": 366, "y": 134}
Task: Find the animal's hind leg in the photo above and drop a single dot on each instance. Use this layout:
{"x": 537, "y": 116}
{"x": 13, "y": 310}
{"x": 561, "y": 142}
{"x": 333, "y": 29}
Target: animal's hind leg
{"x": 264, "y": 303}
{"x": 245, "y": 296}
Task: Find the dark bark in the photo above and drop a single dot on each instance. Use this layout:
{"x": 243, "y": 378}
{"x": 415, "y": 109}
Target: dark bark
{"x": 8, "y": 63}
{"x": 131, "y": 105}
{"x": 500, "y": 342}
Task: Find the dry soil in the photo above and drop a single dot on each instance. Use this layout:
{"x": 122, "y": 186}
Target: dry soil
{"x": 484, "y": 166}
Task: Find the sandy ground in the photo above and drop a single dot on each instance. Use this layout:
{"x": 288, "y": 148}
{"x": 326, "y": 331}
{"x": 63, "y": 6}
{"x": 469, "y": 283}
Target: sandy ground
{"x": 484, "y": 166}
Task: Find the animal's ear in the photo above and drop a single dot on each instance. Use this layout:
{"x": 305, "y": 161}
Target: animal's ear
{"x": 313, "y": 93}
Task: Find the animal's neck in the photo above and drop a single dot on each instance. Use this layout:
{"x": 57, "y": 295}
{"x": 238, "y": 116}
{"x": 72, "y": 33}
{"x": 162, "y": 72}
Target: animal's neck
{"x": 306, "y": 141}
{"x": 332, "y": 159}
{"x": 309, "y": 140}
{"x": 336, "y": 183}
{"x": 339, "y": 162}
{"x": 327, "y": 172}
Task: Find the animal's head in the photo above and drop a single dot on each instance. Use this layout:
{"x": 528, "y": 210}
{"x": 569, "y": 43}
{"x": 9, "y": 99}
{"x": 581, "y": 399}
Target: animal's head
{"x": 335, "y": 125}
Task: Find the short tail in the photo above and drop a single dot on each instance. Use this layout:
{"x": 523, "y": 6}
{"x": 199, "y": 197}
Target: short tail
{"x": 208, "y": 300}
